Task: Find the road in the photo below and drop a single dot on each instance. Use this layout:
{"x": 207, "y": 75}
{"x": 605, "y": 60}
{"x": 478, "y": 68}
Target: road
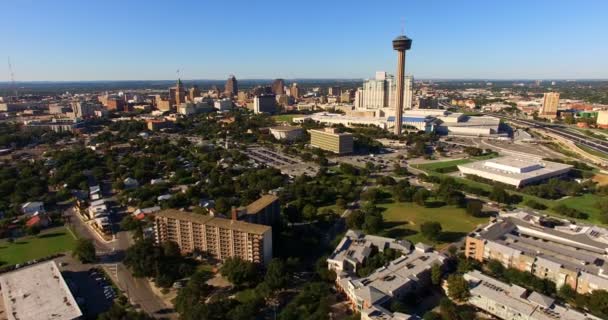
{"x": 562, "y": 131}
{"x": 111, "y": 254}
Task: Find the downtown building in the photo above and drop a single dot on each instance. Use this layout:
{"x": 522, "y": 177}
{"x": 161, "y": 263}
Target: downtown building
{"x": 380, "y": 94}
{"x": 218, "y": 237}
{"x": 562, "y": 252}
{"x": 329, "y": 139}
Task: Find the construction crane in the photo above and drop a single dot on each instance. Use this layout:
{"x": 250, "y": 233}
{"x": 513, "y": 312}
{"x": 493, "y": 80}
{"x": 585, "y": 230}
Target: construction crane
{"x": 13, "y": 84}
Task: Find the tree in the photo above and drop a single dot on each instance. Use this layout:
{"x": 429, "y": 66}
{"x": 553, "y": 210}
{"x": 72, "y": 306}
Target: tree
{"x": 436, "y": 274}
{"x": 421, "y": 196}
{"x": 474, "y": 208}
{"x": 373, "y": 223}
{"x": 276, "y": 274}
{"x": 341, "y": 203}
{"x": 355, "y": 220}
{"x": 309, "y": 212}
{"x": 33, "y": 230}
{"x": 566, "y": 292}
{"x": 431, "y": 316}
{"x": 458, "y": 288}
{"x": 499, "y": 194}
{"x": 84, "y": 251}
{"x": 238, "y": 271}
{"x": 431, "y": 230}
{"x": 129, "y": 223}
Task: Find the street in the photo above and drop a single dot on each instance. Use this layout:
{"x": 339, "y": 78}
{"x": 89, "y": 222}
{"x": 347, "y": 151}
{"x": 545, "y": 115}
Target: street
{"x": 110, "y": 255}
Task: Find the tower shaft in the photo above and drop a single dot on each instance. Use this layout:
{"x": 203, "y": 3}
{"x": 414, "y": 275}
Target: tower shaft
{"x": 400, "y": 91}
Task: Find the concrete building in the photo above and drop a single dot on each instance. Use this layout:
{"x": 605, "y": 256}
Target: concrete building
{"x": 278, "y": 86}
{"x": 457, "y": 124}
{"x": 265, "y": 103}
{"x": 177, "y": 94}
{"x": 221, "y": 238}
{"x": 294, "y": 91}
{"x": 187, "y": 109}
{"x": 223, "y": 105}
{"x": 232, "y": 88}
{"x": 289, "y": 133}
{"x": 329, "y": 139}
{"x": 266, "y": 210}
{"x": 37, "y": 292}
{"x": 509, "y": 301}
{"x": 602, "y": 119}
{"x": 515, "y": 171}
{"x": 84, "y": 109}
{"x": 550, "y": 104}
{"x": 193, "y": 92}
{"x": 562, "y": 252}
{"x": 334, "y": 91}
{"x": 408, "y": 273}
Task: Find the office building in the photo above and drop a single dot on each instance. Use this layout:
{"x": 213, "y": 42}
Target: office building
{"x": 37, "y": 292}
{"x": 194, "y": 92}
{"x": 266, "y": 210}
{"x": 329, "y": 139}
{"x": 408, "y": 273}
{"x": 278, "y": 86}
{"x": 560, "y": 251}
{"x": 602, "y": 119}
{"x": 549, "y": 107}
{"x": 265, "y": 103}
{"x": 221, "y": 238}
{"x": 380, "y": 93}
{"x": 509, "y": 301}
{"x": 84, "y": 109}
{"x": 400, "y": 44}
{"x": 177, "y": 94}
{"x": 231, "y": 89}
{"x": 334, "y": 91}
{"x": 515, "y": 171}
{"x": 294, "y": 91}
{"x": 223, "y": 105}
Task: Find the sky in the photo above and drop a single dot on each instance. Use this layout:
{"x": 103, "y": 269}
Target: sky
{"x": 66, "y": 40}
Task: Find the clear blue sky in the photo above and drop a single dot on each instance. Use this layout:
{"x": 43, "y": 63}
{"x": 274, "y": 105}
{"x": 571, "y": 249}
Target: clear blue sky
{"x": 149, "y": 39}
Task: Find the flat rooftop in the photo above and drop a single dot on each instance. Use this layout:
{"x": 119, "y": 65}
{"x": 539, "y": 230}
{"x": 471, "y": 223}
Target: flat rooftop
{"x": 214, "y": 221}
{"x": 261, "y": 203}
{"x": 517, "y": 167}
{"x": 38, "y": 292}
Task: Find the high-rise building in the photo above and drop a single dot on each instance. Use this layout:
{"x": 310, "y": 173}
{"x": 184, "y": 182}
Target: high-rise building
{"x": 221, "y": 238}
{"x": 333, "y": 91}
{"x": 84, "y": 109}
{"x": 177, "y": 94}
{"x": 329, "y": 139}
{"x": 194, "y": 92}
{"x": 232, "y": 87}
{"x": 400, "y": 44}
{"x": 278, "y": 86}
{"x": 265, "y": 103}
{"x": 380, "y": 92}
{"x": 294, "y": 91}
{"x": 265, "y": 210}
{"x": 550, "y": 103}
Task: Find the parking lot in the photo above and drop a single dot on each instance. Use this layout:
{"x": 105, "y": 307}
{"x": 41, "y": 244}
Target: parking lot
{"x": 89, "y": 286}
{"x": 287, "y": 164}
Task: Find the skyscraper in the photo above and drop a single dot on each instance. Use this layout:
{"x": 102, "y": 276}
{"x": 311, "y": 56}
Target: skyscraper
{"x": 400, "y": 44}
{"x": 294, "y": 91}
{"x": 177, "y": 94}
{"x": 409, "y": 92}
{"x": 231, "y": 88}
{"x": 193, "y": 93}
{"x": 550, "y": 103}
{"x": 278, "y": 86}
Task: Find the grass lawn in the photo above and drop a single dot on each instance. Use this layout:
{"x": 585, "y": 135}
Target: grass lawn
{"x": 286, "y": 117}
{"x": 585, "y": 203}
{"x": 403, "y": 220}
{"x": 48, "y": 242}
{"x": 442, "y": 164}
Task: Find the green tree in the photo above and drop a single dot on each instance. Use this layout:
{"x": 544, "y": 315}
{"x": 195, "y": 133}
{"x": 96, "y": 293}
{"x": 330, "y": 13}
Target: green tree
{"x": 276, "y": 274}
{"x": 84, "y": 251}
{"x": 458, "y": 288}
{"x": 239, "y": 272}
{"x": 129, "y": 223}
{"x": 421, "y": 196}
{"x": 474, "y": 208}
{"x": 436, "y": 274}
{"x": 373, "y": 223}
{"x": 431, "y": 230}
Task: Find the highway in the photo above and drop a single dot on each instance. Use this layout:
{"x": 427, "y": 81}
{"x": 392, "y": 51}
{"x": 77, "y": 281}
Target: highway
{"x": 562, "y": 131}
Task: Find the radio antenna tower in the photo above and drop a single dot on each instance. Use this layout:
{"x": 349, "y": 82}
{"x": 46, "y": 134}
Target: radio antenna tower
{"x": 13, "y": 84}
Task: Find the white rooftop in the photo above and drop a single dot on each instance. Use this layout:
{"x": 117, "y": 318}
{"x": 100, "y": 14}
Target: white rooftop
{"x": 38, "y": 292}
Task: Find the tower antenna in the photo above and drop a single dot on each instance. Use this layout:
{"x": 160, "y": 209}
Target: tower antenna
{"x": 13, "y": 84}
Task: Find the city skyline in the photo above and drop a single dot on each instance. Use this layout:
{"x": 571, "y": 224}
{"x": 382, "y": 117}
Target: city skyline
{"x": 72, "y": 41}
